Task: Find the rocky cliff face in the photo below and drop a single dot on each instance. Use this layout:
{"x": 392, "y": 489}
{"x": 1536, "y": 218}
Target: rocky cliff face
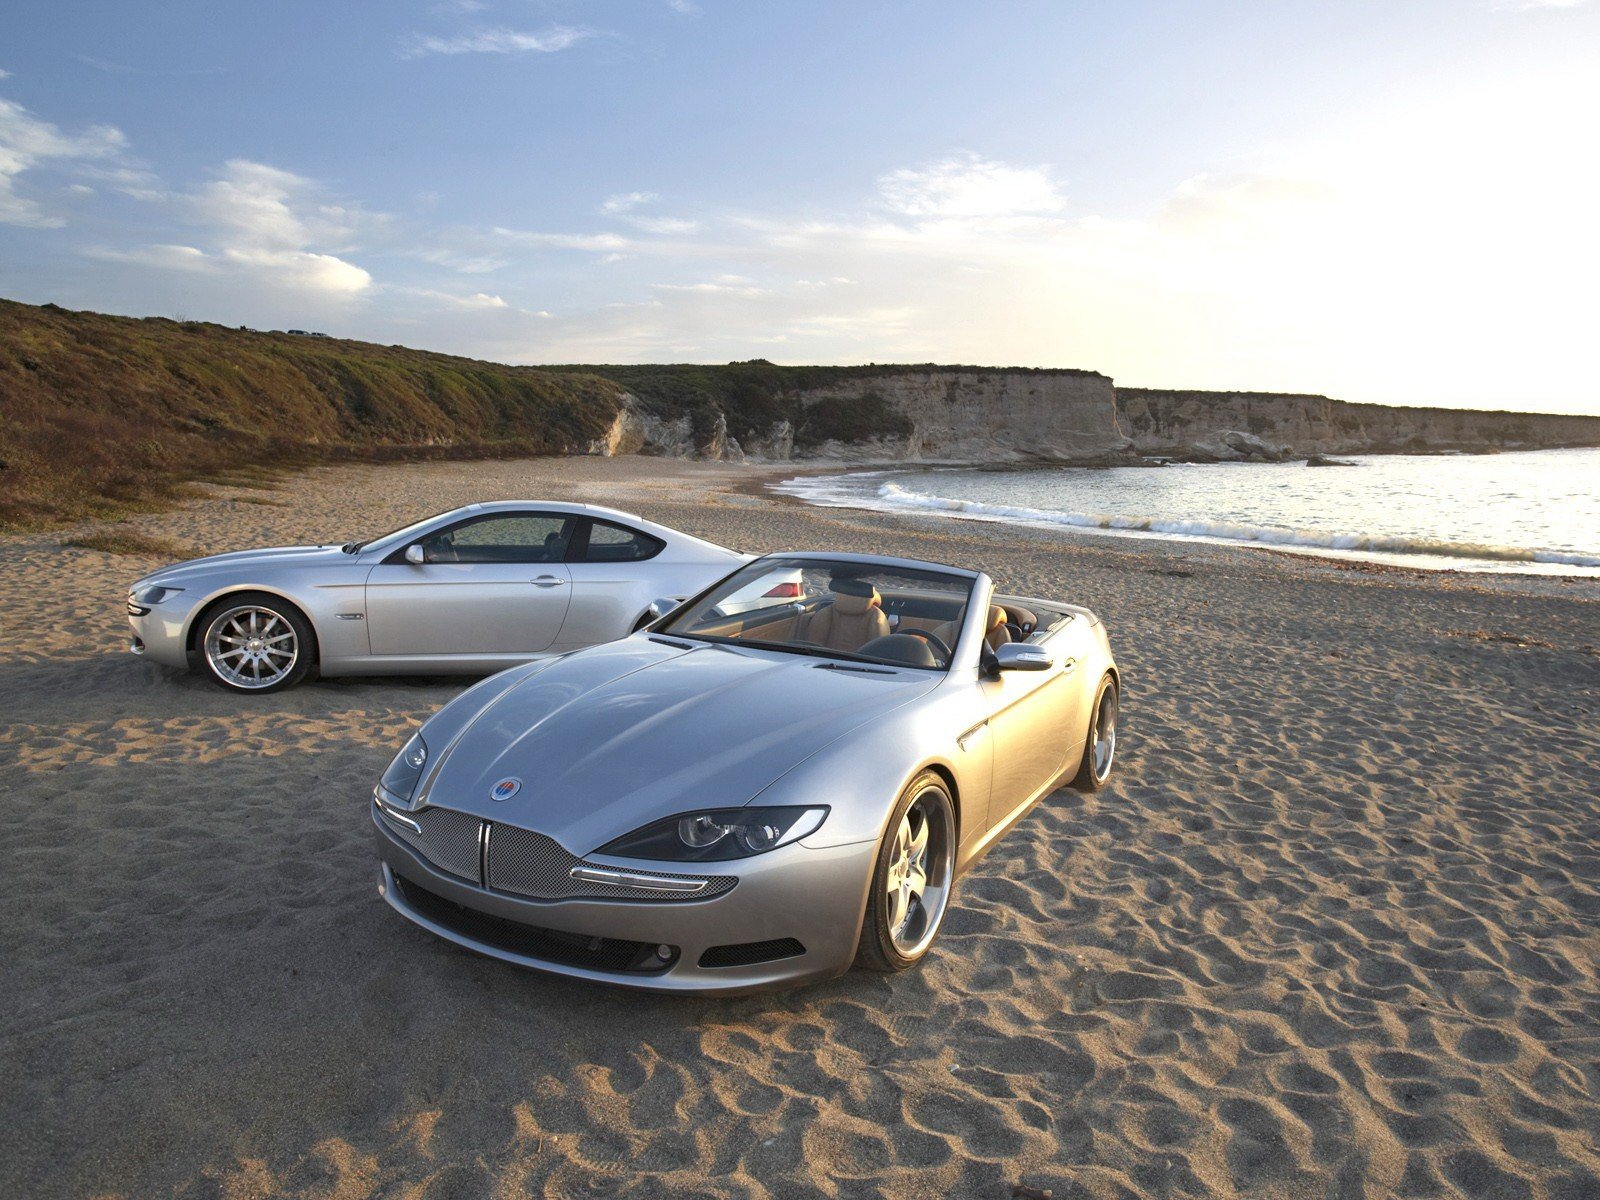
{"x": 1188, "y": 423}
{"x": 988, "y": 416}
{"x": 958, "y": 416}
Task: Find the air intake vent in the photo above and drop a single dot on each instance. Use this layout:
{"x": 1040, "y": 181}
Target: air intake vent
{"x": 530, "y": 941}
{"x": 747, "y": 954}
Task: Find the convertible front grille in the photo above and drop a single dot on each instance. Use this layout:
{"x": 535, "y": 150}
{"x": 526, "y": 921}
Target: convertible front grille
{"x": 531, "y": 864}
{"x": 525, "y": 863}
{"x": 446, "y": 838}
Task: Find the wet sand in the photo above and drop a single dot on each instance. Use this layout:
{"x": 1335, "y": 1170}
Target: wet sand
{"x": 1333, "y": 932}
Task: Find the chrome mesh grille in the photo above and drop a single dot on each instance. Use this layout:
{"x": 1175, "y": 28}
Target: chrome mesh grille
{"x": 531, "y": 864}
{"x": 449, "y": 839}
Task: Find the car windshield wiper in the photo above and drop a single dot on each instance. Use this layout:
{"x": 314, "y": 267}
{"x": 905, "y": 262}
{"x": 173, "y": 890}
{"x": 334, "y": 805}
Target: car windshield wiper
{"x": 352, "y": 547}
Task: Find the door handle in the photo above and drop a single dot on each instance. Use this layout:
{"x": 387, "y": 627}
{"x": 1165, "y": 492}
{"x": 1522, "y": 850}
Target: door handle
{"x": 1069, "y": 666}
{"x": 547, "y": 581}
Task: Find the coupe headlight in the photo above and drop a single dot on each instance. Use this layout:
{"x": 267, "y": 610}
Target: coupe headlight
{"x": 153, "y": 593}
{"x": 718, "y": 834}
{"x": 400, "y": 780}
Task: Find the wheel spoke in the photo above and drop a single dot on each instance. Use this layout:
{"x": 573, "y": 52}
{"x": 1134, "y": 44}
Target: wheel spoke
{"x": 897, "y": 910}
{"x": 919, "y": 841}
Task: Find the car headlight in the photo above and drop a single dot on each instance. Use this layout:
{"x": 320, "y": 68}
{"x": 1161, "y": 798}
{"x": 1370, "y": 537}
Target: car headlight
{"x": 718, "y": 834}
{"x": 153, "y": 593}
{"x": 400, "y": 780}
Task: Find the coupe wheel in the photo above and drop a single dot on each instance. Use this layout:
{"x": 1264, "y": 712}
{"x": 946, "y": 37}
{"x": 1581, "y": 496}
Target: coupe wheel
{"x": 912, "y": 880}
{"x": 1100, "y": 746}
{"x": 255, "y": 643}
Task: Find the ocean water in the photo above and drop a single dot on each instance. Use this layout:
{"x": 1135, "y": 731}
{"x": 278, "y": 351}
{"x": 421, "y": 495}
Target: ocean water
{"x": 1535, "y": 511}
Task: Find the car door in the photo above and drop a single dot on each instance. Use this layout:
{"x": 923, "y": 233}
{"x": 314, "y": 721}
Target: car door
{"x": 609, "y": 563}
{"x": 489, "y": 585}
{"x": 1028, "y": 730}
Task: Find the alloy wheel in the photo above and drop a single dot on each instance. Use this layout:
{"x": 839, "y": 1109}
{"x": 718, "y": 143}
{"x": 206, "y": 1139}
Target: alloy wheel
{"x": 917, "y": 882}
{"x": 251, "y": 647}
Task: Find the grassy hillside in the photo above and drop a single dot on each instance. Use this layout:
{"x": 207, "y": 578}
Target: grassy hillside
{"x": 99, "y": 413}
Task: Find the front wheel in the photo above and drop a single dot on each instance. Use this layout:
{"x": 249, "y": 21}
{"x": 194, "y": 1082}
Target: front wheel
{"x": 912, "y": 879}
{"x": 254, "y": 642}
{"x": 1100, "y": 746}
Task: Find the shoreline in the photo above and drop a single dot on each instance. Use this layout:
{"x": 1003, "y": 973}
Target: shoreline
{"x": 1371, "y": 560}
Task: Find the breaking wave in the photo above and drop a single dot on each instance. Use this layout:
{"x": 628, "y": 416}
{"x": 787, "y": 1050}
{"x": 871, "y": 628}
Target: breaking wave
{"x": 856, "y": 491}
{"x": 892, "y": 495}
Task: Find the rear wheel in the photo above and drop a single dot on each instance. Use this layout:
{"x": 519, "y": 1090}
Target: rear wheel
{"x": 1100, "y": 746}
{"x": 912, "y": 879}
{"x": 253, "y": 642}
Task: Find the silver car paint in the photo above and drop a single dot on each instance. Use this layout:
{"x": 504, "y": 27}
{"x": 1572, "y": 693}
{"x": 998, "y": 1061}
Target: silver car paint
{"x": 611, "y": 738}
{"x": 370, "y": 617}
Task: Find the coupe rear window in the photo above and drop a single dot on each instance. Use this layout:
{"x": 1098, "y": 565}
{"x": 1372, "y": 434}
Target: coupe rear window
{"x": 616, "y": 543}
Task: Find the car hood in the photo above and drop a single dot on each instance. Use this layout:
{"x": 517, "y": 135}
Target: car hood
{"x": 608, "y": 739}
{"x": 271, "y": 557}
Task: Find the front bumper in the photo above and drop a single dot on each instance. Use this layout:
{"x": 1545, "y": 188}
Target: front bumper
{"x": 815, "y": 897}
{"x": 158, "y": 634}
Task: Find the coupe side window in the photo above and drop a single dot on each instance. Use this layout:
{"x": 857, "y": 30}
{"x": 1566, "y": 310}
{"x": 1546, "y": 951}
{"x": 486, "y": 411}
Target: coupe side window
{"x": 512, "y": 538}
{"x": 617, "y": 543}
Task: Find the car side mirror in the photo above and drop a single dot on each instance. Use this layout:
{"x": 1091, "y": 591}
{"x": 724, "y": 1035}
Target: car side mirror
{"x": 416, "y": 555}
{"x": 1020, "y": 656}
{"x": 661, "y": 607}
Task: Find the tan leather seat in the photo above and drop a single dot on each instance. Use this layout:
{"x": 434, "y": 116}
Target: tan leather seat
{"x": 995, "y": 634}
{"x": 850, "y": 622}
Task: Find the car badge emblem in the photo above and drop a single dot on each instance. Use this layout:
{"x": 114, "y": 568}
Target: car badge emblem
{"x": 505, "y": 789}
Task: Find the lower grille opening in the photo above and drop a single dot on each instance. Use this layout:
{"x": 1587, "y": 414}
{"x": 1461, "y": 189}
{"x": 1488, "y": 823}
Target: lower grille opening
{"x": 531, "y": 941}
{"x": 747, "y": 954}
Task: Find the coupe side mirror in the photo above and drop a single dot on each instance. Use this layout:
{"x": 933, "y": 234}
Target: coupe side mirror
{"x": 661, "y": 607}
{"x": 1020, "y": 656}
{"x": 415, "y": 554}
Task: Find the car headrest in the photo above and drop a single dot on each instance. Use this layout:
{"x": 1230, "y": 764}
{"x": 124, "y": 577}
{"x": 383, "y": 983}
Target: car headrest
{"x": 856, "y": 599}
{"x": 997, "y": 616}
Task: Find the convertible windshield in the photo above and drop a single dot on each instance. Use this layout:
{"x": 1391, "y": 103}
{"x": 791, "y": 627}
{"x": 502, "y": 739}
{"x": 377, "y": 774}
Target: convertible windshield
{"x": 863, "y": 612}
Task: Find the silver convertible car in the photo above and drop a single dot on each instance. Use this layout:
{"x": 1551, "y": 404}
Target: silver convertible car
{"x": 470, "y": 591}
{"x": 745, "y": 794}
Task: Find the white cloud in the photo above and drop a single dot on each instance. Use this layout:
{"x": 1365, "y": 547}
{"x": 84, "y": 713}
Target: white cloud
{"x": 166, "y": 257}
{"x": 598, "y": 242}
{"x": 266, "y": 224}
{"x": 966, "y": 186}
{"x": 627, "y": 201}
{"x": 475, "y": 301}
{"x": 301, "y": 270}
{"x": 4, "y": 74}
{"x": 685, "y": 8}
{"x": 495, "y": 41}
{"x": 667, "y": 226}
{"x": 28, "y": 143}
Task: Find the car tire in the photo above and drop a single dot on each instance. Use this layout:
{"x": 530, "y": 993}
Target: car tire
{"x": 255, "y": 643}
{"x": 1100, "y": 740}
{"x": 897, "y": 933}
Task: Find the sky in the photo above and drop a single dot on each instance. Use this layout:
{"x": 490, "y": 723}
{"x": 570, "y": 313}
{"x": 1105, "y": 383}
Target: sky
{"x": 1388, "y": 201}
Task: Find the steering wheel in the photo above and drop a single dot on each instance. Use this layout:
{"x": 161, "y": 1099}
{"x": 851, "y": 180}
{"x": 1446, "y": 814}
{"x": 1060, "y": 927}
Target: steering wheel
{"x": 933, "y": 640}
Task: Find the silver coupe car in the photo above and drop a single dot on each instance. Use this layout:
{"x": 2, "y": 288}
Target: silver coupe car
{"x": 742, "y": 794}
{"x": 470, "y": 591}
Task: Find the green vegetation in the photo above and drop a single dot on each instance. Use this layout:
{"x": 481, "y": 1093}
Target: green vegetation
{"x": 104, "y": 414}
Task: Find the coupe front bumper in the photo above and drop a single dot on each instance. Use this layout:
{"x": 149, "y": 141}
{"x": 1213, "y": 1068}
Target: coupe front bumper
{"x": 158, "y": 632}
{"x": 806, "y": 904}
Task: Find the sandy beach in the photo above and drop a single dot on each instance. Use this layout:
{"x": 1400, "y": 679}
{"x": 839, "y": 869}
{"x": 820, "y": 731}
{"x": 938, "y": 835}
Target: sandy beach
{"x": 1333, "y": 932}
